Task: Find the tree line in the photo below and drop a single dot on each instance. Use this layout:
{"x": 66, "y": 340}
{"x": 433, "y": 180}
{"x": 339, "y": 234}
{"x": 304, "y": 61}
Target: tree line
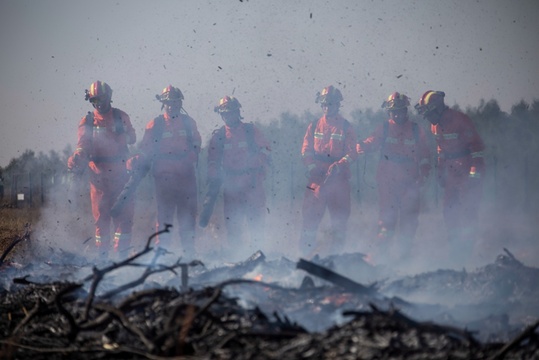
{"x": 511, "y": 139}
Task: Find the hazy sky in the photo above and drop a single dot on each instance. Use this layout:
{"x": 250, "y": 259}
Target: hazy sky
{"x": 274, "y": 55}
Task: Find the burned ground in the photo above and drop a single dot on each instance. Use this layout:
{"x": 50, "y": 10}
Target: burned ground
{"x": 57, "y": 305}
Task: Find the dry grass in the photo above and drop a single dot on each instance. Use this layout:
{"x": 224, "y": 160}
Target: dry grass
{"x": 13, "y": 222}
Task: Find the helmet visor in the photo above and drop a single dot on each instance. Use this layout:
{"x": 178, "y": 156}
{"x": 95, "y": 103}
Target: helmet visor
{"x": 98, "y": 100}
{"x": 424, "y": 110}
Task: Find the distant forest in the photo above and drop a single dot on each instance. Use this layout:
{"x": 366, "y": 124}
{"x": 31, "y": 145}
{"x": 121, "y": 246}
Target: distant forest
{"x": 512, "y": 158}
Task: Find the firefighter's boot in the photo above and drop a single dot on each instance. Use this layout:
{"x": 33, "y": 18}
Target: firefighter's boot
{"x": 102, "y": 247}
{"x": 122, "y": 244}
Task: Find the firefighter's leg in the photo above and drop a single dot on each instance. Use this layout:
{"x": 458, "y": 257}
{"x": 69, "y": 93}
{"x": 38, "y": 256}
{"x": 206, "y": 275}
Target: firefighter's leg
{"x": 124, "y": 228}
{"x": 255, "y": 218}
{"x": 312, "y": 213}
{"x": 380, "y": 246}
{"x": 102, "y": 244}
{"x": 469, "y": 235}
{"x": 187, "y": 221}
{"x": 408, "y": 220}
{"x": 187, "y": 212}
{"x": 255, "y": 214}
{"x": 460, "y": 246}
{"x": 166, "y": 205}
{"x": 472, "y": 193}
{"x": 101, "y": 220}
{"x": 122, "y": 245}
{"x": 388, "y": 203}
{"x": 233, "y": 205}
{"x": 339, "y": 207}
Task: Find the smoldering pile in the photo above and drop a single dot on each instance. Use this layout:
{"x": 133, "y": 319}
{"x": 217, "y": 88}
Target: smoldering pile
{"x": 264, "y": 309}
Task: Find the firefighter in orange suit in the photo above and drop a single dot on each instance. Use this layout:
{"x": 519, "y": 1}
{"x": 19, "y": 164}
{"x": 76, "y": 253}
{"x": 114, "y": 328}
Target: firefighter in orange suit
{"x": 171, "y": 145}
{"x": 103, "y": 136}
{"x": 403, "y": 167}
{"x": 461, "y": 167}
{"x": 238, "y": 157}
{"x": 329, "y": 147}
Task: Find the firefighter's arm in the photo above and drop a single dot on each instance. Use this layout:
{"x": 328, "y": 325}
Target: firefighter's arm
{"x": 477, "y": 167}
{"x": 307, "y": 149}
{"x": 78, "y": 162}
{"x": 138, "y": 165}
{"x": 440, "y": 169}
{"x": 197, "y": 140}
{"x": 264, "y": 153}
{"x": 372, "y": 142}
{"x": 476, "y": 147}
{"x": 424, "y": 157}
{"x": 130, "y": 134}
{"x": 214, "y": 156}
{"x": 350, "y": 155}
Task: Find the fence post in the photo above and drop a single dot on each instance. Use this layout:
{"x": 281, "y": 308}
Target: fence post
{"x": 291, "y": 184}
{"x": 14, "y": 190}
{"x": 42, "y": 188}
{"x": 527, "y": 194}
{"x": 30, "y": 190}
{"x": 358, "y": 182}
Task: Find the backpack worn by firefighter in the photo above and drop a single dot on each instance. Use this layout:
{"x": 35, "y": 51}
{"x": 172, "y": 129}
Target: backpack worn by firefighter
{"x": 118, "y": 127}
{"x": 138, "y": 174}
{"x": 214, "y": 185}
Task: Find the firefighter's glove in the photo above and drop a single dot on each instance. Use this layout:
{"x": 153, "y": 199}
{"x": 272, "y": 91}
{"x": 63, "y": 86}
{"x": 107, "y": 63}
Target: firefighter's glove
{"x": 474, "y": 173}
{"x": 76, "y": 163}
{"x": 337, "y": 167}
{"x": 138, "y": 164}
{"x": 334, "y": 169}
{"x": 477, "y": 167}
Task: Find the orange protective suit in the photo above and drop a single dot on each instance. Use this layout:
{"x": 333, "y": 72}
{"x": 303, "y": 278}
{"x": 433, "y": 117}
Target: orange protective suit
{"x": 403, "y": 166}
{"x": 172, "y": 145}
{"x": 240, "y": 157}
{"x": 102, "y": 146}
{"x": 329, "y": 146}
{"x": 461, "y": 168}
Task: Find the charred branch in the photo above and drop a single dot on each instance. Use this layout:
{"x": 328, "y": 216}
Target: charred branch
{"x": 15, "y": 242}
{"x": 221, "y": 322}
{"x": 337, "y": 279}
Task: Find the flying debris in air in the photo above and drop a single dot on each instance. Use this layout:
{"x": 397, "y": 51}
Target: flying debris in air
{"x": 399, "y": 76}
